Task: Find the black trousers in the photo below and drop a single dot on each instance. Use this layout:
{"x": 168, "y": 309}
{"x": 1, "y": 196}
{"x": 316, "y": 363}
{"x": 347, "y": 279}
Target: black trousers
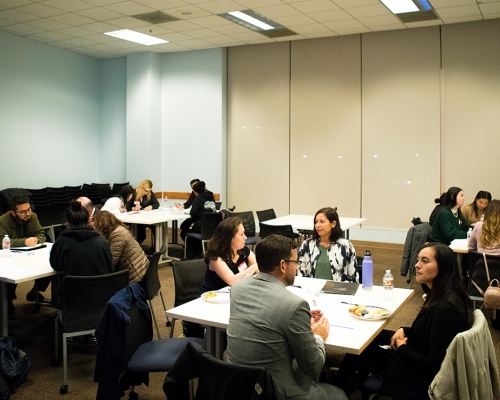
{"x": 42, "y": 285}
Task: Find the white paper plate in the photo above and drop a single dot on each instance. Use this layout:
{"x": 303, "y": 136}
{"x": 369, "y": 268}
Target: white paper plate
{"x": 374, "y": 313}
{"x": 214, "y": 297}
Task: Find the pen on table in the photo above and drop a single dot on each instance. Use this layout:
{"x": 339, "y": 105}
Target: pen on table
{"x": 16, "y": 251}
{"x": 351, "y": 304}
{"x": 340, "y": 326}
{"x": 297, "y": 286}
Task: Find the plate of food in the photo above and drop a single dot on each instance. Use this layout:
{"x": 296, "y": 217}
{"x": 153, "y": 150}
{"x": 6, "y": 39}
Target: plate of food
{"x": 370, "y": 313}
{"x": 216, "y": 297}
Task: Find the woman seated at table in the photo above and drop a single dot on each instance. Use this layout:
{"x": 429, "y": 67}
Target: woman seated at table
{"x": 80, "y": 250}
{"x": 143, "y": 199}
{"x": 326, "y": 255}
{"x": 126, "y": 252}
{"x": 406, "y": 370}
{"x": 450, "y": 224}
{"x": 203, "y": 203}
{"x": 485, "y": 237}
{"x": 474, "y": 211}
{"x": 118, "y": 204}
{"x": 227, "y": 258}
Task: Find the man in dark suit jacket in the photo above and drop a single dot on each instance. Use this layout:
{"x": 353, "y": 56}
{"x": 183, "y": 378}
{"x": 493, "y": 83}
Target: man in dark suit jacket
{"x": 271, "y": 327}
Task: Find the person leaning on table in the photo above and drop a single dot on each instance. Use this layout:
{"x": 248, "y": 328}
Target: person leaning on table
{"x": 143, "y": 199}
{"x": 327, "y": 255}
{"x": 126, "y": 252}
{"x": 449, "y": 223}
{"x": 24, "y": 229}
{"x": 485, "y": 237}
{"x": 118, "y": 204}
{"x": 273, "y": 328}
{"x": 406, "y": 370}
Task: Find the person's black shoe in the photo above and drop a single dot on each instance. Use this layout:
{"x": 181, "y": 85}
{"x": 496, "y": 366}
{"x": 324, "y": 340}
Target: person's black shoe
{"x": 11, "y": 310}
{"x": 41, "y": 298}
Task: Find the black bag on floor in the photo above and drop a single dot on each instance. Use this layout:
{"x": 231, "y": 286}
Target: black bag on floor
{"x": 14, "y": 367}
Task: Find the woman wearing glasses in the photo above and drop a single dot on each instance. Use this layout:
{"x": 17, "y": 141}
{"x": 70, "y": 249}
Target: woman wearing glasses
{"x": 143, "y": 199}
{"x": 327, "y": 255}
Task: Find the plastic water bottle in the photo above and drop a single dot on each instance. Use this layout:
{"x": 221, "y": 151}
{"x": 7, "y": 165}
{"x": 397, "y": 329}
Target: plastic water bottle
{"x": 6, "y": 246}
{"x": 165, "y": 202}
{"x": 469, "y": 234}
{"x": 388, "y": 283}
{"x": 367, "y": 271}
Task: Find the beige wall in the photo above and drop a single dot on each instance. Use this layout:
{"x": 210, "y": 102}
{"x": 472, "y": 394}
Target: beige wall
{"x": 424, "y": 101}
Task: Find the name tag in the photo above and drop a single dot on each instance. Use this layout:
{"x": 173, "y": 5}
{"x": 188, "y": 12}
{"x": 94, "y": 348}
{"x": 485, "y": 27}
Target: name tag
{"x": 243, "y": 266}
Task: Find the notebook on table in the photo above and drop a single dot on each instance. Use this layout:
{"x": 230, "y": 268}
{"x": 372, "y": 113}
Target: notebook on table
{"x": 349, "y": 288}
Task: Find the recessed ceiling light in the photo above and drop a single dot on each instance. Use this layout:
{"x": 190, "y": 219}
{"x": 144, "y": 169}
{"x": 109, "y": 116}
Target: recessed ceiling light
{"x": 400, "y": 6}
{"x": 136, "y": 37}
{"x": 251, "y": 20}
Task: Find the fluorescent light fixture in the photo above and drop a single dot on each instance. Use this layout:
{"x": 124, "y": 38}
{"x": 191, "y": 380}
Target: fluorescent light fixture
{"x": 400, "y": 6}
{"x": 136, "y": 37}
{"x": 251, "y": 20}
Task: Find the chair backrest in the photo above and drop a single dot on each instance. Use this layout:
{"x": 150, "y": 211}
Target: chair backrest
{"x": 218, "y": 205}
{"x": 283, "y": 230}
{"x": 209, "y": 223}
{"x": 139, "y": 331}
{"x": 476, "y": 347}
{"x": 217, "y": 380}
{"x": 117, "y": 186}
{"x": 150, "y": 281}
{"x": 248, "y": 222}
{"x": 477, "y": 272}
{"x": 266, "y": 215}
{"x": 84, "y": 298}
{"x": 188, "y": 277}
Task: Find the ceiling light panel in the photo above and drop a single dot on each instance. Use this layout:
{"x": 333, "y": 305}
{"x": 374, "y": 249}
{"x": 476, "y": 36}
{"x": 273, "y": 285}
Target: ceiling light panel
{"x": 136, "y": 37}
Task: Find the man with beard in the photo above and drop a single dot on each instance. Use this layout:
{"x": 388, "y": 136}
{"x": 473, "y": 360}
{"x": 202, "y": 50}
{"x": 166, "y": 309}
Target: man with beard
{"x": 271, "y": 327}
{"x": 24, "y": 229}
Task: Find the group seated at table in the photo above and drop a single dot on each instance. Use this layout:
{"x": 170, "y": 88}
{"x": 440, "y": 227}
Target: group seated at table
{"x": 326, "y": 254}
{"x": 416, "y": 353}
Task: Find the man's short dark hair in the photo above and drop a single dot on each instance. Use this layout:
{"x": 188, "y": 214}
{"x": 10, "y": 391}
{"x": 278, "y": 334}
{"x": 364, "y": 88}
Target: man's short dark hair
{"x": 193, "y": 181}
{"x": 16, "y": 201}
{"x": 271, "y": 250}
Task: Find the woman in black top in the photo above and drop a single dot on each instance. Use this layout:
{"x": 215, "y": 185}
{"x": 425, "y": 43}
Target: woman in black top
{"x": 227, "y": 257}
{"x": 143, "y": 199}
{"x": 406, "y": 370}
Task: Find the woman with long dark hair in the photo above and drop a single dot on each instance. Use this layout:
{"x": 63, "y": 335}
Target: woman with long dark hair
{"x": 327, "y": 255}
{"x": 450, "y": 224}
{"x": 474, "y": 211}
{"x": 409, "y": 366}
{"x": 226, "y": 257}
{"x": 118, "y": 204}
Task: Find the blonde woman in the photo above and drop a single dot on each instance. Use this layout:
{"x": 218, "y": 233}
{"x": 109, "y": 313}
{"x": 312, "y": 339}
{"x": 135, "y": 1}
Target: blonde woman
{"x": 485, "y": 237}
{"x": 143, "y": 199}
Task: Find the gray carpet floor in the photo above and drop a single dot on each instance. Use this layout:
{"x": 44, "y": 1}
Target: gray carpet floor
{"x": 34, "y": 332}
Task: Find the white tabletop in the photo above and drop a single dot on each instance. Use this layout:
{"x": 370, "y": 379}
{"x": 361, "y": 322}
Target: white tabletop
{"x": 23, "y": 266}
{"x": 346, "y": 332}
{"x": 460, "y": 245}
{"x": 150, "y": 217}
{"x": 306, "y": 222}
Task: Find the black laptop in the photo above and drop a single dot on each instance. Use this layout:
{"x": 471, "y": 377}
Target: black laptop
{"x": 332, "y": 287}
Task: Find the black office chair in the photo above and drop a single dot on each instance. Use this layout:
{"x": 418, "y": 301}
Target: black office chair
{"x": 249, "y": 224}
{"x": 83, "y": 299}
{"x": 188, "y": 277}
{"x": 209, "y": 223}
{"x": 217, "y": 380}
{"x": 151, "y": 284}
{"x": 283, "y": 230}
{"x": 266, "y": 215}
{"x": 128, "y": 361}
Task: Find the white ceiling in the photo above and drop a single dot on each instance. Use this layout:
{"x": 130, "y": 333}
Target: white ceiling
{"x": 78, "y": 25}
